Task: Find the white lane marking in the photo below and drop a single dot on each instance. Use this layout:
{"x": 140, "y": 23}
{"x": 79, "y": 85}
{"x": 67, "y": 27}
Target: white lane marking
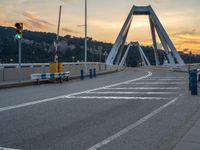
{"x": 3, "y": 148}
{"x": 109, "y": 86}
{"x": 132, "y": 93}
{"x": 158, "y": 83}
{"x": 132, "y": 126}
{"x": 164, "y": 79}
{"x": 30, "y": 103}
{"x": 167, "y": 78}
{"x": 118, "y": 98}
{"x": 145, "y": 88}
{"x": 69, "y": 95}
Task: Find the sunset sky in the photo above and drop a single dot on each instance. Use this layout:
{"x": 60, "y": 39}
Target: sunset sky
{"x": 180, "y": 18}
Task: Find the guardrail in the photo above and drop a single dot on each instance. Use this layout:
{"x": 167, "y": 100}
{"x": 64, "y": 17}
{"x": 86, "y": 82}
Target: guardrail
{"x": 10, "y": 72}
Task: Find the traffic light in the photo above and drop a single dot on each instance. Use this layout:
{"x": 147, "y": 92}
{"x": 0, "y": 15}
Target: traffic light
{"x": 19, "y": 30}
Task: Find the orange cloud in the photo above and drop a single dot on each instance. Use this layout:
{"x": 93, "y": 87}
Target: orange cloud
{"x": 34, "y": 22}
{"x": 67, "y": 30}
{"x": 6, "y": 23}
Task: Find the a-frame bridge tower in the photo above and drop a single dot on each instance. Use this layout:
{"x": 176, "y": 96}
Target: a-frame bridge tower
{"x": 116, "y": 52}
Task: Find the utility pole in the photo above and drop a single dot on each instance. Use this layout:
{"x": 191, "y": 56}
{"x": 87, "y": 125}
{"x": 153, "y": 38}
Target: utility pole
{"x": 58, "y": 31}
{"x": 85, "y": 35}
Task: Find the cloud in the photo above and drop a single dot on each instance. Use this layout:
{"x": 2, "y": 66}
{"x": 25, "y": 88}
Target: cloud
{"x": 35, "y": 22}
{"x": 191, "y": 32}
{"x": 187, "y": 40}
{"x": 159, "y": 1}
{"x": 7, "y": 23}
{"x": 67, "y": 30}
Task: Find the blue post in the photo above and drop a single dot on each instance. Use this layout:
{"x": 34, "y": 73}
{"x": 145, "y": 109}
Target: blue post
{"x": 190, "y": 88}
{"x": 90, "y": 73}
{"x": 82, "y": 74}
{"x": 94, "y": 72}
{"x": 193, "y": 84}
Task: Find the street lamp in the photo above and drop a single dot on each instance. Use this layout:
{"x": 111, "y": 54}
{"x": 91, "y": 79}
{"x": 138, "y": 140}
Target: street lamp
{"x": 85, "y": 35}
{"x": 85, "y": 25}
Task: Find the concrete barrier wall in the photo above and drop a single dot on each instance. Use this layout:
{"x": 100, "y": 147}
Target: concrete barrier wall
{"x": 10, "y": 72}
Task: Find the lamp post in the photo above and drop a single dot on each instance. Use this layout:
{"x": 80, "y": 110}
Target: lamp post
{"x": 85, "y": 35}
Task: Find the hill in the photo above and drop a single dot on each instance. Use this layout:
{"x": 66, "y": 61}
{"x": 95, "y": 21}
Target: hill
{"x": 38, "y": 47}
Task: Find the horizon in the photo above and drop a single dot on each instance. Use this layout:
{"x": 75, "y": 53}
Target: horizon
{"x": 181, "y": 23}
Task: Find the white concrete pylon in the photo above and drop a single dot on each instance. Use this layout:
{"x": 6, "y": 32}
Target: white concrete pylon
{"x": 142, "y": 54}
{"x": 116, "y": 52}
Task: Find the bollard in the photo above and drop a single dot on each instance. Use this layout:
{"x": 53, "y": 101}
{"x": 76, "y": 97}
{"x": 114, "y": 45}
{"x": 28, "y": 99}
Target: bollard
{"x": 193, "y": 82}
{"x": 82, "y": 74}
{"x": 199, "y": 77}
{"x": 94, "y": 72}
{"x": 190, "y": 88}
{"x": 90, "y": 73}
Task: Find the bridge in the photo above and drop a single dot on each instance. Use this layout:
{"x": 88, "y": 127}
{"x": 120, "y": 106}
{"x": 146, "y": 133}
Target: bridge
{"x": 146, "y": 108}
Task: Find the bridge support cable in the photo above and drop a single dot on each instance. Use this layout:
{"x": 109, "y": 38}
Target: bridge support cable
{"x": 115, "y": 56}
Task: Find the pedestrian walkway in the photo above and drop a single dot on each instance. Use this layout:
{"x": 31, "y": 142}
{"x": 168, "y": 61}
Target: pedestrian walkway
{"x": 191, "y": 141}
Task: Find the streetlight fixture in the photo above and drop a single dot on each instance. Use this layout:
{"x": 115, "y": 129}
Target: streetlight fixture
{"x": 85, "y": 25}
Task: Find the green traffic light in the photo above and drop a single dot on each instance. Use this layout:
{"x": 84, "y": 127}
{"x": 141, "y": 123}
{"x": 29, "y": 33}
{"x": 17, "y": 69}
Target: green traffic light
{"x": 18, "y": 36}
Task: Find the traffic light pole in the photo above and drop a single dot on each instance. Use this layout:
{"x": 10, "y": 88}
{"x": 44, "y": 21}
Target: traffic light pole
{"x": 20, "y": 59}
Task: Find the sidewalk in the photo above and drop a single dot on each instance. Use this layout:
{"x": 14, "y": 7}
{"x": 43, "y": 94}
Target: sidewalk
{"x": 191, "y": 141}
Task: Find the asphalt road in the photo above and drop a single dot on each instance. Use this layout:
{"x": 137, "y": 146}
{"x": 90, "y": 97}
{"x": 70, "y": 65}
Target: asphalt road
{"x": 136, "y": 109}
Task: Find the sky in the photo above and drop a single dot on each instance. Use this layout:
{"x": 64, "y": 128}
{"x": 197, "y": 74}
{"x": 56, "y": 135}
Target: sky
{"x": 180, "y": 18}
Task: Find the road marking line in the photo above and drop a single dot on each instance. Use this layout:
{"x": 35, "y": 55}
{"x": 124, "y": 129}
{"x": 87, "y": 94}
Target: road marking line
{"x": 118, "y": 98}
{"x": 132, "y": 93}
{"x": 30, "y": 103}
{"x": 167, "y": 78}
{"x": 132, "y": 126}
{"x": 69, "y": 95}
{"x": 164, "y": 79}
{"x": 3, "y": 148}
{"x": 146, "y": 88}
{"x": 158, "y": 83}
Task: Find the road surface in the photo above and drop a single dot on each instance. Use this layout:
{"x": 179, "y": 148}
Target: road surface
{"x": 136, "y": 109}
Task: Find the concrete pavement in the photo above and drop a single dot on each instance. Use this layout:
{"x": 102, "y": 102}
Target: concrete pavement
{"x": 133, "y": 109}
